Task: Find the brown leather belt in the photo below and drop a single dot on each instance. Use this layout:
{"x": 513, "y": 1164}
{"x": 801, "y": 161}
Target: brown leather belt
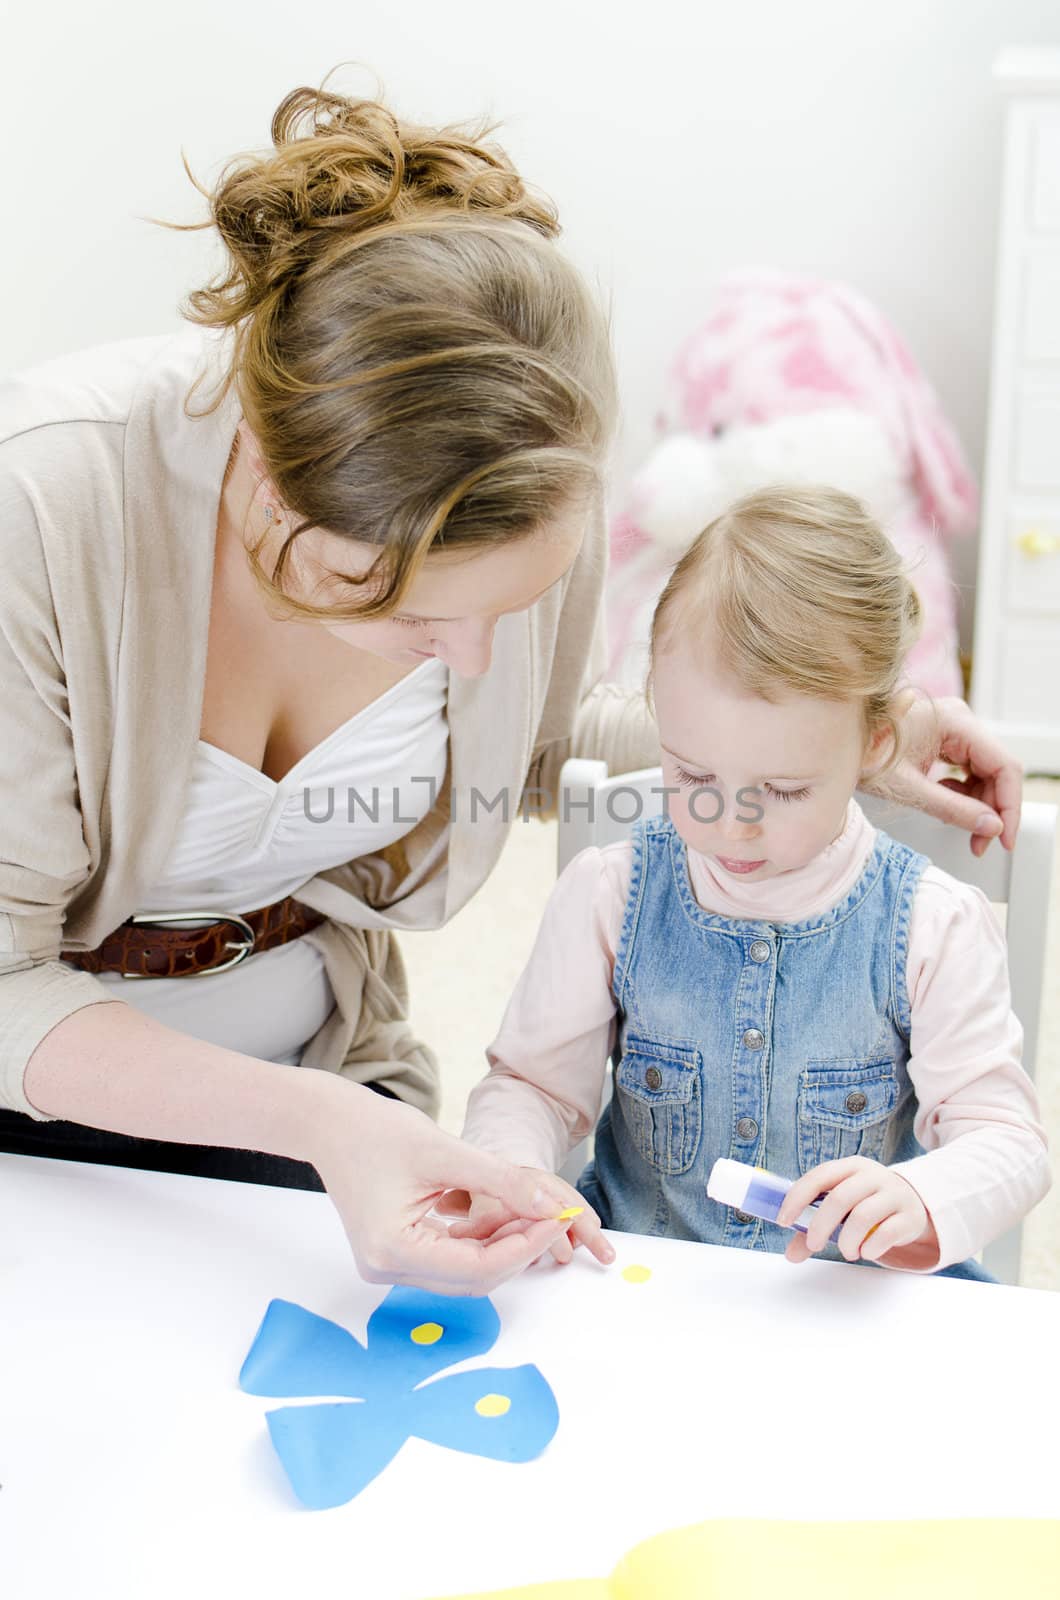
{"x": 146, "y": 947}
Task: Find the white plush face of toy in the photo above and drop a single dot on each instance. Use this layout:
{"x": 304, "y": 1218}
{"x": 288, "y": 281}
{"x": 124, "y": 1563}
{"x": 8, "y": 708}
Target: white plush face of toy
{"x": 688, "y": 481}
{"x": 762, "y": 786}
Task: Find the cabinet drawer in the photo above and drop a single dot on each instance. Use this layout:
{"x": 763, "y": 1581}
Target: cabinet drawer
{"x": 1036, "y": 437}
{"x": 1041, "y": 307}
{"x": 1045, "y": 173}
{"x": 1029, "y": 673}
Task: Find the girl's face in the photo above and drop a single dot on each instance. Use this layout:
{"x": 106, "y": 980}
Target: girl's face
{"x": 773, "y": 777}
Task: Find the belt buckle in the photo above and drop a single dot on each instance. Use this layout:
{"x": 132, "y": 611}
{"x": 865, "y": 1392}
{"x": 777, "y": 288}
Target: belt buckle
{"x": 242, "y": 947}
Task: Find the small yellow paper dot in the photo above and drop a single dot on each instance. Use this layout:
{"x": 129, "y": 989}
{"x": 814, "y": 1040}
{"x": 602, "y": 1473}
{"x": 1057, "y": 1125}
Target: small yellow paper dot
{"x": 427, "y": 1333}
{"x": 493, "y": 1405}
{"x": 571, "y": 1211}
{"x": 636, "y": 1274}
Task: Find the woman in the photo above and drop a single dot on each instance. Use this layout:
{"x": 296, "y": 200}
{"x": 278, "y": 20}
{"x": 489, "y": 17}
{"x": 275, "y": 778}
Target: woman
{"x": 279, "y": 666}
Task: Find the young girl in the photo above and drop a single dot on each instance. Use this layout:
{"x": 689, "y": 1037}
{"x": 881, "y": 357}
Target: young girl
{"x": 775, "y": 981}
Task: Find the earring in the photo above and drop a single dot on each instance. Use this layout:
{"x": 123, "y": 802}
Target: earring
{"x": 269, "y": 514}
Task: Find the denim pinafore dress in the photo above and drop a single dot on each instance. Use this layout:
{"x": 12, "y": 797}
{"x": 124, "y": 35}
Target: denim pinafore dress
{"x": 779, "y": 1044}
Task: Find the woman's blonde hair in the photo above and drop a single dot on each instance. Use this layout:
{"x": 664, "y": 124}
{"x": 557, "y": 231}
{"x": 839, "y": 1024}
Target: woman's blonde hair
{"x": 421, "y": 367}
{"x": 797, "y": 589}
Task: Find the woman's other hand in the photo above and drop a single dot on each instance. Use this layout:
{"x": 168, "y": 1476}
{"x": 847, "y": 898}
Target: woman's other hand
{"x": 985, "y": 802}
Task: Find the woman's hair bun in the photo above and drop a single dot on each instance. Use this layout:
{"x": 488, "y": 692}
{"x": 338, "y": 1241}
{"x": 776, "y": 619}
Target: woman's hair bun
{"x": 349, "y": 164}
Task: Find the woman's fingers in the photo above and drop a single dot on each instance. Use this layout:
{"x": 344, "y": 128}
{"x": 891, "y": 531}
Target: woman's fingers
{"x": 523, "y": 1190}
{"x": 953, "y": 805}
{"x": 985, "y": 803}
{"x": 497, "y": 1225}
{"x": 467, "y": 1266}
{"x": 992, "y": 792}
{"x": 563, "y": 1250}
{"x": 964, "y": 740}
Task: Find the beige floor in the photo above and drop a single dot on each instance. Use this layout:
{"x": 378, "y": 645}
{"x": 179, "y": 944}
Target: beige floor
{"x": 483, "y": 950}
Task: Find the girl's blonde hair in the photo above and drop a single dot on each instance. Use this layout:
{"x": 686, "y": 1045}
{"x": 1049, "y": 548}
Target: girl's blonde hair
{"x": 420, "y": 365}
{"x": 797, "y": 589}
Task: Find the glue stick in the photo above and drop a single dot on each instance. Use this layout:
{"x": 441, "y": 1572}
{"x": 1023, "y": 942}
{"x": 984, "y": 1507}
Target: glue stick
{"x": 757, "y": 1192}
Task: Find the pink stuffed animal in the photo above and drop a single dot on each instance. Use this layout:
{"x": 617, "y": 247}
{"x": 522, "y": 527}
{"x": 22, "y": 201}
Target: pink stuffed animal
{"x": 796, "y": 380}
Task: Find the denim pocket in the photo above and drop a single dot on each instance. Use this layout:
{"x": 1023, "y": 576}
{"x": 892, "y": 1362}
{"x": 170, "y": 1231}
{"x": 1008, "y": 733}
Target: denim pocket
{"x": 844, "y": 1109}
{"x": 660, "y": 1092}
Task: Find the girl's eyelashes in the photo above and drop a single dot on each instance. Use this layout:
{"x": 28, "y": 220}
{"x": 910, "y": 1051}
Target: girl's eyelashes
{"x": 696, "y": 780}
{"x": 702, "y": 780}
{"x": 788, "y": 794}
{"x": 409, "y": 622}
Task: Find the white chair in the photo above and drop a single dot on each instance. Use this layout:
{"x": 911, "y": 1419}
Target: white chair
{"x": 597, "y": 810}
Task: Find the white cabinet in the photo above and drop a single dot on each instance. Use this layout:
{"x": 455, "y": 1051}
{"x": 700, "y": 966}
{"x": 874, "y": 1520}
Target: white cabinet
{"x": 1016, "y": 662}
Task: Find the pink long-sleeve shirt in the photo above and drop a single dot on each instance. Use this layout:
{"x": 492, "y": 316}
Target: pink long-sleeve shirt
{"x": 986, "y": 1161}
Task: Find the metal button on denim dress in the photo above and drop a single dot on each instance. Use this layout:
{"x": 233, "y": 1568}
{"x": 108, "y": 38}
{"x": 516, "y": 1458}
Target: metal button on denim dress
{"x": 783, "y": 1045}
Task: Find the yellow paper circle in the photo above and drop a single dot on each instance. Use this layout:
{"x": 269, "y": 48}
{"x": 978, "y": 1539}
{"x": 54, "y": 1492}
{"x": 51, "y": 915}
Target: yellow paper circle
{"x": 427, "y": 1333}
{"x": 636, "y": 1274}
{"x": 493, "y": 1405}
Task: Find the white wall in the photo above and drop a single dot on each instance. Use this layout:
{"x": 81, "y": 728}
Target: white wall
{"x": 681, "y": 139}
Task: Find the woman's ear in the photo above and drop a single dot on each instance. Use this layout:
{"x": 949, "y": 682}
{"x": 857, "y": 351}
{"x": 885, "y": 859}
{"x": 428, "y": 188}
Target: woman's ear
{"x": 265, "y": 488}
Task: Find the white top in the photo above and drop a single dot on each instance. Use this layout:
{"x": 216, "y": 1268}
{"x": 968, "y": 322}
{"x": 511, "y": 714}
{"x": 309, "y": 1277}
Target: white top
{"x": 245, "y": 841}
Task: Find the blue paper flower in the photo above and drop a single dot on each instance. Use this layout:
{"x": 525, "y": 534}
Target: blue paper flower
{"x": 332, "y": 1450}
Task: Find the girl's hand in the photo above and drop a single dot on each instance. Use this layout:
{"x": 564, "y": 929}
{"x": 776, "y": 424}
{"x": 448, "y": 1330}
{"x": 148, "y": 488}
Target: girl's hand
{"x": 385, "y": 1166}
{"x": 491, "y": 1220}
{"x": 986, "y": 802}
{"x": 866, "y": 1198}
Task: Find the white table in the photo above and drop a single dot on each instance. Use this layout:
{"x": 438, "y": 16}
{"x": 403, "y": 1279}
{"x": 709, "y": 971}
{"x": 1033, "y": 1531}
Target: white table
{"x": 730, "y": 1384}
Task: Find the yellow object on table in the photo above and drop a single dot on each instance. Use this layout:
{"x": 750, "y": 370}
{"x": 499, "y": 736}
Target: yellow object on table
{"x": 737, "y": 1559}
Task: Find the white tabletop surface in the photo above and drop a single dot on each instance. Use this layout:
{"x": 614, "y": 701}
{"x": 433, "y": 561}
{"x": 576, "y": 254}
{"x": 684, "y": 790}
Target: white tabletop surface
{"x": 729, "y": 1384}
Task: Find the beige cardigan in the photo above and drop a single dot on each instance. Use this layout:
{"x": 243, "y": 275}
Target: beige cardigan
{"x": 108, "y": 506}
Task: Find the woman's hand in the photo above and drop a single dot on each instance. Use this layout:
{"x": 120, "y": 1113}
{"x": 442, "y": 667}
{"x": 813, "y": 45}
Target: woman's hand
{"x": 490, "y": 1219}
{"x": 385, "y": 1166}
{"x": 876, "y": 1209}
{"x": 986, "y": 802}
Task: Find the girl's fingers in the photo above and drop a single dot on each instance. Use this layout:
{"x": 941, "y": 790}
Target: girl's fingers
{"x": 587, "y": 1231}
{"x": 834, "y": 1210}
{"x": 896, "y": 1231}
{"x": 819, "y": 1180}
{"x": 872, "y": 1211}
{"x": 796, "y": 1249}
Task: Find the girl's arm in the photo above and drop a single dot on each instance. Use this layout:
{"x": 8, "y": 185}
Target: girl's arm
{"x": 978, "y": 1117}
{"x": 549, "y": 1060}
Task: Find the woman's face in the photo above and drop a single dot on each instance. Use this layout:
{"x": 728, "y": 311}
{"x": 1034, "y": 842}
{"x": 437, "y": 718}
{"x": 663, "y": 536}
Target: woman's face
{"x": 454, "y": 603}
